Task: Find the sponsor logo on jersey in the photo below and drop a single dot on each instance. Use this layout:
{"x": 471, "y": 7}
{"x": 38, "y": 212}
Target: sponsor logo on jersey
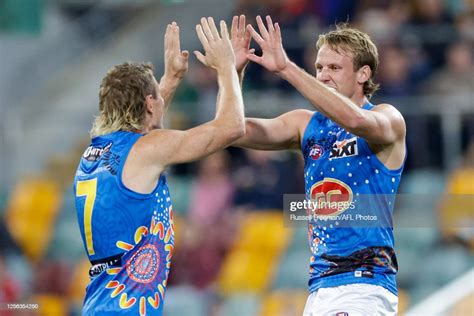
{"x": 94, "y": 153}
{"x": 332, "y": 197}
{"x": 344, "y": 148}
{"x": 316, "y": 152}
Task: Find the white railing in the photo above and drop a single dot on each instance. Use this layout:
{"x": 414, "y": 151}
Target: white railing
{"x": 440, "y": 302}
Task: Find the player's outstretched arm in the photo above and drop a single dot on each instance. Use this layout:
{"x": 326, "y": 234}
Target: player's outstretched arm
{"x": 166, "y": 147}
{"x": 175, "y": 64}
{"x": 283, "y": 132}
{"x": 383, "y": 125}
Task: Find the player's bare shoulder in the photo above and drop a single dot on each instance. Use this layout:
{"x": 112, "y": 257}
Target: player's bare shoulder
{"x": 297, "y": 120}
{"x": 303, "y": 117}
{"x": 396, "y": 119}
{"x": 155, "y": 146}
{"x": 388, "y": 109}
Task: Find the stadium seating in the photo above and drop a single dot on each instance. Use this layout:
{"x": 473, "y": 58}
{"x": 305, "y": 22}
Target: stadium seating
{"x": 251, "y": 263}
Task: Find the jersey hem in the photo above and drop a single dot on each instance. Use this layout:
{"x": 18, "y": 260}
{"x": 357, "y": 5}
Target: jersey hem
{"x": 382, "y": 280}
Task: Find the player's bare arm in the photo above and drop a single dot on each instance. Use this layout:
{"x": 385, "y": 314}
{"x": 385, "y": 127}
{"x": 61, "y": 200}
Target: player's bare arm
{"x": 175, "y": 64}
{"x": 161, "y": 148}
{"x": 283, "y": 132}
{"x": 382, "y": 126}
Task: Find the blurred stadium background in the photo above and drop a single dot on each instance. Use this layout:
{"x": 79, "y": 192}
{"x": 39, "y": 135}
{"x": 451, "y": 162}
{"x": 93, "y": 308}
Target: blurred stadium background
{"x": 233, "y": 254}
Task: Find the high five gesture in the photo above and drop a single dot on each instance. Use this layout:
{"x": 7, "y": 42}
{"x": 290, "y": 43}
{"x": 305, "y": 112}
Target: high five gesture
{"x": 273, "y": 55}
{"x": 240, "y": 39}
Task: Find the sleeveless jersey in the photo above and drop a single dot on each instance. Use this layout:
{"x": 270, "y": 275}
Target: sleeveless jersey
{"x": 350, "y": 233}
{"x": 127, "y": 236}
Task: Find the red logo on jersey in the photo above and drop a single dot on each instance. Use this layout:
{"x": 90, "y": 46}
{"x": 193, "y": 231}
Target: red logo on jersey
{"x": 316, "y": 152}
{"x": 331, "y": 197}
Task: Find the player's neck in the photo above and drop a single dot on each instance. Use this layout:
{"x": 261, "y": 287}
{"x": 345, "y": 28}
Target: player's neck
{"x": 360, "y": 101}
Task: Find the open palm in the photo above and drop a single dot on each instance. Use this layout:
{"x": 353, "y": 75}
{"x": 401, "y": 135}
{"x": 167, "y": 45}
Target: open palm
{"x": 176, "y": 61}
{"x": 240, "y": 39}
{"x": 273, "y": 56}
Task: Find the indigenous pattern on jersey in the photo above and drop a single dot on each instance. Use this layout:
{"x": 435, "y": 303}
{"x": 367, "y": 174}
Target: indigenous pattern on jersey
{"x": 128, "y": 236}
{"x": 351, "y": 236}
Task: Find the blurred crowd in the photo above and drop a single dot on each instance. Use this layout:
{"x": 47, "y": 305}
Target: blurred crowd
{"x": 229, "y": 240}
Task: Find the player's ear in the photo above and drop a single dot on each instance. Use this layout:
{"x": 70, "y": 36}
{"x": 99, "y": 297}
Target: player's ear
{"x": 149, "y": 103}
{"x": 364, "y": 74}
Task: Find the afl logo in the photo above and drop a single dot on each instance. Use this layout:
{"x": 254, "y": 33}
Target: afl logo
{"x": 331, "y": 197}
{"x": 316, "y": 152}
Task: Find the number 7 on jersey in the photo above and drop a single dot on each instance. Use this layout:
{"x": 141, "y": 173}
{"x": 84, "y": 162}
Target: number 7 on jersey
{"x": 88, "y": 188}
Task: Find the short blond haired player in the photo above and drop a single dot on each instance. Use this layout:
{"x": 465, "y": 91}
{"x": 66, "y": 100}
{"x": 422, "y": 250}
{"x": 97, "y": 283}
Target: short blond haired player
{"x": 354, "y": 152}
{"x": 122, "y": 198}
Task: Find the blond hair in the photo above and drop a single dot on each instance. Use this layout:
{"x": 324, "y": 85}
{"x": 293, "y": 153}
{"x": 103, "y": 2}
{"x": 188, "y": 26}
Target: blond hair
{"x": 364, "y": 51}
{"x": 122, "y": 98}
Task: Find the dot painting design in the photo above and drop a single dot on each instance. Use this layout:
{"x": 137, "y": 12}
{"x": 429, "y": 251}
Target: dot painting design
{"x": 361, "y": 172}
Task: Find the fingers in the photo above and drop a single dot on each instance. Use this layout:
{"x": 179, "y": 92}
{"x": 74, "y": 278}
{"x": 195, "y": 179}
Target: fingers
{"x": 200, "y": 57}
{"x": 209, "y": 29}
{"x": 255, "y": 35}
{"x": 243, "y": 31}
{"x": 234, "y": 28}
{"x": 167, "y": 36}
{"x": 176, "y": 41}
{"x": 255, "y": 58}
{"x": 216, "y": 45}
{"x": 277, "y": 32}
{"x": 224, "y": 31}
{"x": 238, "y": 28}
{"x": 262, "y": 28}
{"x": 200, "y": 33}
{"x": 172, "y": 41}
{"x": 247, "y": 38}
{"x": 206, "y": 29}
{"x": 242, "y": 25}
{"x": 202, "y": 37}
{"x": 239, "y": 35}
{"x": 271, "y": 29}
{"x": 213, "y": 28}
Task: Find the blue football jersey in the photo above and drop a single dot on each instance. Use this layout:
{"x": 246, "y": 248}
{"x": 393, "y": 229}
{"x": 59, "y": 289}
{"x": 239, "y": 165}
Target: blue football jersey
{"x": 128, "y": 236}
{"x": 351, "y": 236}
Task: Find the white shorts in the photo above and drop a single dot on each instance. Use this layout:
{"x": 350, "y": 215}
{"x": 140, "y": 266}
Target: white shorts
{"x": 351, "y": 300}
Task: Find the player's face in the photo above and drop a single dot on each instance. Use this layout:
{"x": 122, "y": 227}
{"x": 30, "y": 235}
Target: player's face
{"x": 337, "y": 71}
{"x": 158, "y": 108}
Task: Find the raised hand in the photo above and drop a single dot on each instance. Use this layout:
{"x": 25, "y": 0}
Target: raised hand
{"x": 240, "y": 39}
{"x": 217, "y": 47}
{"x": 176, "y": 61}
{"x": 273, "y": 55}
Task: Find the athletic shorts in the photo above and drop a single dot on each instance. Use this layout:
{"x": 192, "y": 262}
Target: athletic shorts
{"x": 351, "y": 300}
